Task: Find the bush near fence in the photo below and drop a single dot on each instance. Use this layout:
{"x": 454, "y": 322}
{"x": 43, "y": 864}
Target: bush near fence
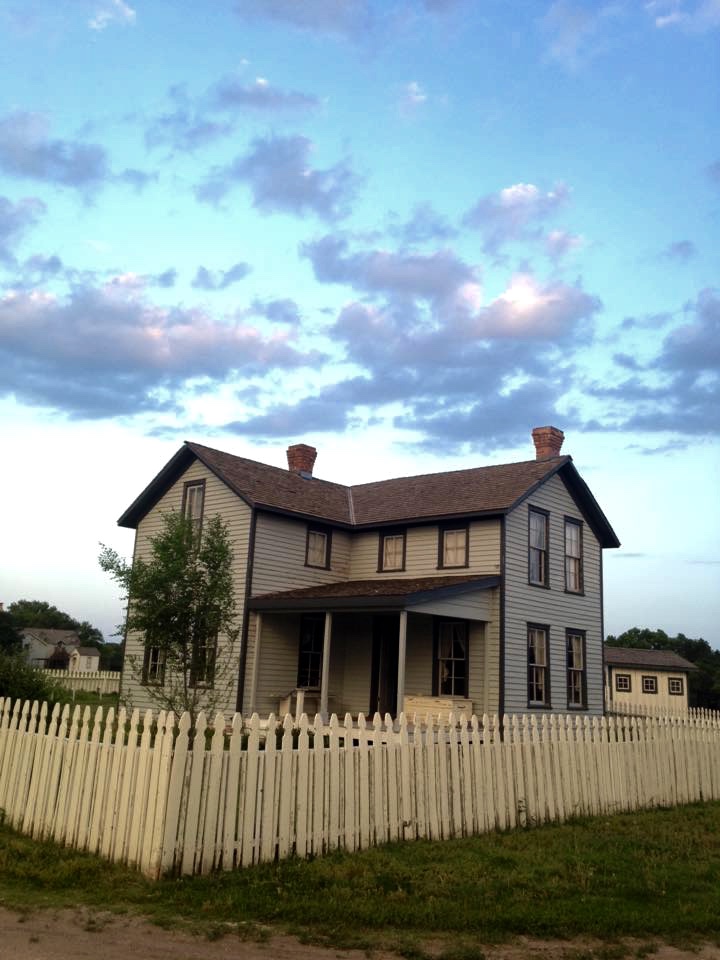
{"x": 153, "y": 793}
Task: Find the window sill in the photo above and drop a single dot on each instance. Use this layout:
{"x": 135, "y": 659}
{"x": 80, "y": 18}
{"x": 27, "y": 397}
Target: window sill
{"x": 542, "y": 586}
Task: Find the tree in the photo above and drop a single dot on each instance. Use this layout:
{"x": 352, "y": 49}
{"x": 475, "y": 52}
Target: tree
{"x": 180, "y": 601}
{"x": 704, "y": 682}
{"x": 20, "y": 681}
{"x": 10, "y": 636}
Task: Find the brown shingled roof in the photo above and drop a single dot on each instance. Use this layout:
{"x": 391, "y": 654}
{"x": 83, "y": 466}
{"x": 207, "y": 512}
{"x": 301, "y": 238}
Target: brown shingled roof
{"x": 395, "y": 591}
{"x": 477, "y": 491}
{"x": 636, "y": 657}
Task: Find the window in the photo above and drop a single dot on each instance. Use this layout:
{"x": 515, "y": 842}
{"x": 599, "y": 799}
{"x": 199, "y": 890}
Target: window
{"x": 451, "y": 659}
{"x": 576, "y": 674}
{"x": 649, "y": 685}
{"x": 153, "y": 670}
{"x": 392, "y": 551}
{"x": 193, "y": 503}
{"x": 317, "y": 550}
{"x": 538, "y": 667}
{"x": 538, "y": 547}
{"x": 453, "y": 547}
{"x": 623, "y": 683}
{"x": 310, "y": 651}
{"x": 202, "y": 664}
{"x": 676, "y": 687}
{"x": 573, "y": 556}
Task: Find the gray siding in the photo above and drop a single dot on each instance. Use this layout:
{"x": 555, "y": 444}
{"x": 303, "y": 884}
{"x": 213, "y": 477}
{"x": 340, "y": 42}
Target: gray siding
{"x": 219, "y": 499}
{"x": 421, "y": 554}
{"x": 559, "y": 610}
{"x": 280, "y": 556}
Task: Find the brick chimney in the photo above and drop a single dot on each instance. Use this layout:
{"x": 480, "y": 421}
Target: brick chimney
{"x": 548, "y": 441}
{"x": 301, "y": 459}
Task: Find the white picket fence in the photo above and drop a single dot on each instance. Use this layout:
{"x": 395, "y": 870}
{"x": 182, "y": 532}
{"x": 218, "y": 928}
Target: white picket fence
{"x": 630, "y": 709}
{"x": 92, "y": 681}
{"x": 152, "y": 794}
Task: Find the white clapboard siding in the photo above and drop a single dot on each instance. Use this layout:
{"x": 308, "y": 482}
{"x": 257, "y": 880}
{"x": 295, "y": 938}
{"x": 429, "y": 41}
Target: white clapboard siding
{"x": 168, "y": 797}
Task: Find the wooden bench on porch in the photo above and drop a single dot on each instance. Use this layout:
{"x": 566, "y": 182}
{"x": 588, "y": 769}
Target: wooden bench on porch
{"x": 423, "y": 706}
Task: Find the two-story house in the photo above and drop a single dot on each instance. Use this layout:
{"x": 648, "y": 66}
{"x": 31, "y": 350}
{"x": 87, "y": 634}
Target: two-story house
{"x": 479, "y": 588}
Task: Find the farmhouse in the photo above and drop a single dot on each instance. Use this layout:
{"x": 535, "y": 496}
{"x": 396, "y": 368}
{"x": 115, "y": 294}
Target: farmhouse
{"x": 476, "y": 589}
{"x": 49, "y": 646}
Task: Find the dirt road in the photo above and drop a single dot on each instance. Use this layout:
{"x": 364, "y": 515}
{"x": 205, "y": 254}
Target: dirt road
{"x": 86, "y": 935}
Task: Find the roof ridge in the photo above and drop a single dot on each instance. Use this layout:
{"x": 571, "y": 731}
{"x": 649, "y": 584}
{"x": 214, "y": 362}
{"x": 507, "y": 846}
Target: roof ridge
{"x": 351, "y": 505}
{"x": 449, "y": 473}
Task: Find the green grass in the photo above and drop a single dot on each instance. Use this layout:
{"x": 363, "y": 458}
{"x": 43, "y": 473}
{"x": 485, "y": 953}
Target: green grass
{"x": 652, "y": 876}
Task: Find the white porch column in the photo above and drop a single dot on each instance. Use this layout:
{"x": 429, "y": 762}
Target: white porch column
{"x": 402, "y": 654}
{"x": 325, "y": 675}
{"x": 255, "y": 664}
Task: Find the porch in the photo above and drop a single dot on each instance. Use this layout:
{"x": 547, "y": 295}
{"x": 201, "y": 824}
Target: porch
{"x": 375, "y": 646}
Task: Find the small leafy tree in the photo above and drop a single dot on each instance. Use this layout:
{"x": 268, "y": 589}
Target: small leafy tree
{"x": 181, "y": 600}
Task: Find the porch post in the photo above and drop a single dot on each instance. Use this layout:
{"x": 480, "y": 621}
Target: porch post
{"x": 325, "y": 675}
{"x": 402, "y": 654}
{"x": 256, "y": 664}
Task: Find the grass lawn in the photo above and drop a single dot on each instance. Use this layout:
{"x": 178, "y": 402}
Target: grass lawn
{"x": 647, "y": 875}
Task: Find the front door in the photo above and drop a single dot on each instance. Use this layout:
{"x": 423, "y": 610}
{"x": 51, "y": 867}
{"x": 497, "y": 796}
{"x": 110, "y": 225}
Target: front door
{"x": 383, "y": 681}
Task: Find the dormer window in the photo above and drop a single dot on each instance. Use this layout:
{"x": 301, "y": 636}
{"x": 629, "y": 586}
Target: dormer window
{"x": 392, "y": 551}
{"x": 194, "y": 503}
{"x": 453, "y": 546}
{"x": 317, "y": 548}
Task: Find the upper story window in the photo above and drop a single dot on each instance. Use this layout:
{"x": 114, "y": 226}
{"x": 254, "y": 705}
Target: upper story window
{"x": 573, "y": 556}
{"x": 453, "y": 546}
{"x": 392, "y": 550}
{"x": 649, "y": 685}
{"x": 538, "y": 547}
{"x": 194, "y": 503}
{"x": 317, "y": 548}
{"x": 576, "y": 672}
{"x": 538, "y": 666}
{"x": 676, "y": 687}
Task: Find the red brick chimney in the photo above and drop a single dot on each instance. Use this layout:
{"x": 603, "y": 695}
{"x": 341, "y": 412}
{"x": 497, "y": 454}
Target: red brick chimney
{"x": 301, "y": 459}
{"x": 548, "y": 441}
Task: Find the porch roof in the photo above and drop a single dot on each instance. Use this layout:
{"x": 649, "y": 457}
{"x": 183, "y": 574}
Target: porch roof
{"x": 395, "y": 594}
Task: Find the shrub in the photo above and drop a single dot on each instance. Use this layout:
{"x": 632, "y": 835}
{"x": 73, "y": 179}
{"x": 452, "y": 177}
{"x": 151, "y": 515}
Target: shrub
{"x": 20, "y": 681}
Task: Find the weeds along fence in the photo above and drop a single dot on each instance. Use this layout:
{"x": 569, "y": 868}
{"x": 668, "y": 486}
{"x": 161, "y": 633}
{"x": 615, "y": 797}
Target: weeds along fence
{"x": 91, "y": 681}
{"x": 150, "y": 792}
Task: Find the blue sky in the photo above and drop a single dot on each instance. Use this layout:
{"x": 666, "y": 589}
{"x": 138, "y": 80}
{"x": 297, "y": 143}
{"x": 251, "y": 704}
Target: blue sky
{"x": 405, "y": 232}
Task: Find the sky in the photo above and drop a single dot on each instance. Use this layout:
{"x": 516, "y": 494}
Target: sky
{"x": 405, "y": 232}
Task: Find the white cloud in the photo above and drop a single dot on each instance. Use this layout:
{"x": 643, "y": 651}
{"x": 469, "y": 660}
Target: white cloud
{"x": 509, "y": 214}
{"x": 413, "y": 97}
{"x": 112, "y": 12}
{"x": 558, "y": 243}
{"x": 698, "y": 18}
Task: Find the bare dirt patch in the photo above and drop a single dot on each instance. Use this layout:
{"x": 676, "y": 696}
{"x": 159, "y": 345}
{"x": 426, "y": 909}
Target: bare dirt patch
{"x": 88, "y": 935}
